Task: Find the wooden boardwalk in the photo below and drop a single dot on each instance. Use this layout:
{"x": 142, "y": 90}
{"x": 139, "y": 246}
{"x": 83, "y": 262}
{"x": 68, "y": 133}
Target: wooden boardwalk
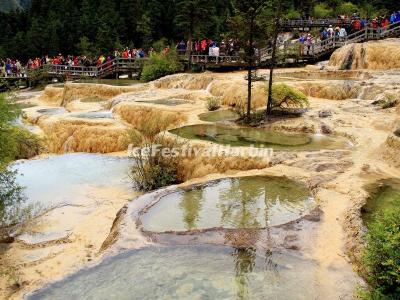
{"x": 316, "y": 51}
{"x": 290, "y": 25}
{"x": 292, "y": 52}
{"x": 110, "y": 68}
{"x": 287, "y": 53}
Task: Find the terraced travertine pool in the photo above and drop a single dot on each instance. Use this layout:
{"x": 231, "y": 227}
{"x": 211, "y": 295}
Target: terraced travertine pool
{"x": 246, "y": 202}
{"x": 384, "y": 196}
{"x": 219, "y": 116}
{"x": 192, "y": 272}
{"x": 259, "y": 137}
{"x": 69, "y": 178}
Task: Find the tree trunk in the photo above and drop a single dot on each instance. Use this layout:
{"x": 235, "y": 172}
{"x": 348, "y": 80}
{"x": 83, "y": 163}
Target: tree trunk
{"x": 190, "y": 45}
{"x": 250, "y": 66}
{"x": 271, "y": 70}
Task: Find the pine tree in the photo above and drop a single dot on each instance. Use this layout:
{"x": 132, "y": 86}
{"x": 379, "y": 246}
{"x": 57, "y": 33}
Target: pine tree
{"x": 35, "y": 39}
{"x": 129, "y": 14}
{"x": 191, "y": 17}
{"x": 107, "y": 21}
{"x": 84, "y": 47}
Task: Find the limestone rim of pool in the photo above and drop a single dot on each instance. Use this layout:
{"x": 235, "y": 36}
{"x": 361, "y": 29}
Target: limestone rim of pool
{"x": 35, "y": 117}
{"x": 313, "y": 214}
{"x": 306, "y": 123}
{"x": 357, "y": 229}
{"x": 191, "y": 109}
{"x": 129, "y": 216}
{"x": 348, "y": 230}
{"x": 126, "y": 234}
{"x": 289, "y": 129}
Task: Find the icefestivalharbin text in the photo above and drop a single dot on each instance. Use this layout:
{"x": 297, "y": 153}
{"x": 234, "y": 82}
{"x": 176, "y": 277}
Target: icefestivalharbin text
{"x": 191, "y": 151}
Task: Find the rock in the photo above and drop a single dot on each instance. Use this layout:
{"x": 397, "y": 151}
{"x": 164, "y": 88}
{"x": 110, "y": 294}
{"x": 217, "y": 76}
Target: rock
{"x": 331, "y": 68}
{"x": 314, "y": 67}
{"x": 397, "y": 132}
{"x": 6, "y": 239}
{"x": 339, "y": 167}
{"x": 324, "y": 113}
{"x": 325, "y": 129}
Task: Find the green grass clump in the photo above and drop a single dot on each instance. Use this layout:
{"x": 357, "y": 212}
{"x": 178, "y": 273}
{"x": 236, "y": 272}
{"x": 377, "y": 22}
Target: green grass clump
{"x": 213, "y": 103}
{"x": 160, "y": 65}
{"x": 153, "y": 168}
{"x": 381, "y": 257}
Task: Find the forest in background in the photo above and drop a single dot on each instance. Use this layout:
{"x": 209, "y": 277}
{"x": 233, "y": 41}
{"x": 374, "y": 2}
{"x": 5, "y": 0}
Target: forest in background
{"x": 9, "y": 5}
{"x": 90, "y": 27}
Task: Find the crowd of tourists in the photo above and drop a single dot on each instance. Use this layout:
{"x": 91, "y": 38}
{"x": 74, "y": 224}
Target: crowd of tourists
{"x": 9, "y": 67}
{"x": 209, "y": 47}
{"x": 344, "y": 26}
{"x": 14, "y": 68}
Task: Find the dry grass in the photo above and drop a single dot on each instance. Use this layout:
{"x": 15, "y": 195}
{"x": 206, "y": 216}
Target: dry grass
{"x": 231, "y": 92}
{"x": 75, "y": 91}
{"x": 184, "y": 81}
{"x": 52, "y": 95}
{"x": 93, "y": 99}
{"x": 328, "y": 90}
{"x": 391, "y": 150}
{"x": 196, "y": 167}
{"x": 141, "y": 117}
{"x": 84, "y": 136}
{"x": 234, "y": 93}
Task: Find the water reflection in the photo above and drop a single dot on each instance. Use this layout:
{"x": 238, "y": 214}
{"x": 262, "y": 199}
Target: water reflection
{"x": 245, "y": 260}
{"x": 244, "y": 264}
{"x": 240, "y": 204}
{"x": 191, "y": 206}
{"x": 259, "y": 137}
{"x": 187, "y": 272}
{"x": 384, "y": 196}
{"x": 248, "y": 202}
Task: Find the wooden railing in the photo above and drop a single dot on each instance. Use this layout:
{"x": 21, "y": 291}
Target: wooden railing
{"x": 207, "y": 59}
{"x": 108, "y": 68}
{"x": 300, "y": 23}
{"x": 320, "y": 48}
{"x": 285, "y": 50}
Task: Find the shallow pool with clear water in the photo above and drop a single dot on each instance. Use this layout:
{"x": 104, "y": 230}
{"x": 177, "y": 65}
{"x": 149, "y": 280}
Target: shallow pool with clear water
{"x": 244, "y": 202}
{"x": 191, "y": 272}
{"x": 93, "y": 115}
{"x": 384, "y": 196}
{"x": 69, "y": 178}
{"x": 259, "y": 137}
{"x": 52, "y": 111}
{"x": 219, "y": 116}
